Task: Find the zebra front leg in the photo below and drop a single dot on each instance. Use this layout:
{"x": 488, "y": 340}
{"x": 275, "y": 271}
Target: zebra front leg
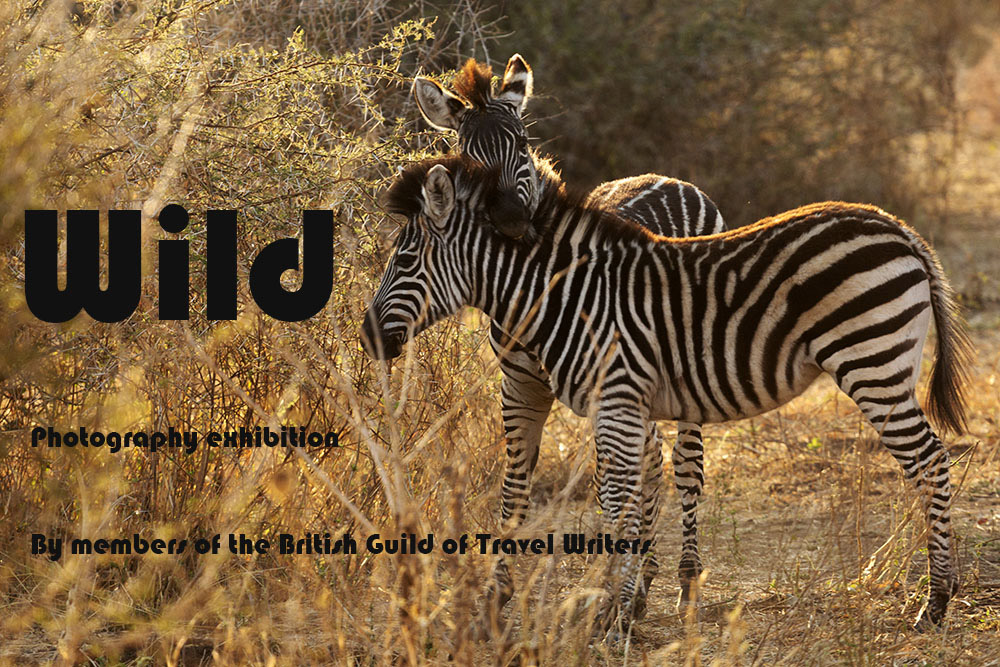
{"x": 652, "y": 481}
{"x": 526, "y": 402}
{"x": 689, "y": 478}
{"x": 523, "y": 422}
{"x": 621, "y": 432}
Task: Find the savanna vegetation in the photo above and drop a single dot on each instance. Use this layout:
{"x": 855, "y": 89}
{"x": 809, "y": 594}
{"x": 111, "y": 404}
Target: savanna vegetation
{"x": 812, "y": 541}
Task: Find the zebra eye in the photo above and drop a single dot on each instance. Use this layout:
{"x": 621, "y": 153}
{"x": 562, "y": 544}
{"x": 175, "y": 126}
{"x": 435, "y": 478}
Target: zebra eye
{"x": 522, "y": 143}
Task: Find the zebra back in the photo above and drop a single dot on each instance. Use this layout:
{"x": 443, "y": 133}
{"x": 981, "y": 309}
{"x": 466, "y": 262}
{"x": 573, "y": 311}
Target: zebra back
{"x": 664, "y": 205}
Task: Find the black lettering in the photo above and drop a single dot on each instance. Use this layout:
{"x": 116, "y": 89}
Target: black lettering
{"x": 174, "y": 269}
{"x": 221, "y": 278}
{"x": 283, "y": 255}
{"x": 83, "y": 287}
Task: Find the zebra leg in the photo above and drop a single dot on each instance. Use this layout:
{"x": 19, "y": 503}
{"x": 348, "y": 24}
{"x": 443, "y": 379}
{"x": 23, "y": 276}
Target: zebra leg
{"x": 526, "y": 402}
{"x": 652, "y": 479}
{"x": 925, "y": 462}
{"x": 621, "y": 431}
{"x": 880, "y": 374}
{"x": 689, "y": 478}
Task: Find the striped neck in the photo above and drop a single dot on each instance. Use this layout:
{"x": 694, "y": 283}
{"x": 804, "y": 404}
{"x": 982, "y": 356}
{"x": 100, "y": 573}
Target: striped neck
{"x": 518, "y": 282}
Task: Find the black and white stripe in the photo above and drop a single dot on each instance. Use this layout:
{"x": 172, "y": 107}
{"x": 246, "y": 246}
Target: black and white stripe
{"x": 661, "y": 204}
{"x": 491, "y": 130}
{"x": 633, "y": 327}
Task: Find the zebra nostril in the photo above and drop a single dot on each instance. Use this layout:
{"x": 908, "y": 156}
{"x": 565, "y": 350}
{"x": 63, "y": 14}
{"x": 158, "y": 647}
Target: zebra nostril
{"x": 376, "y": 342}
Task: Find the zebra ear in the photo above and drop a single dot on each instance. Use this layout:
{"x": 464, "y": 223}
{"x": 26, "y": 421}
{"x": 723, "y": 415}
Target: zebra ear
{"x": 439, "y": 195}
{"x": 443, "y": 110}
{"x": 517, "y": 83}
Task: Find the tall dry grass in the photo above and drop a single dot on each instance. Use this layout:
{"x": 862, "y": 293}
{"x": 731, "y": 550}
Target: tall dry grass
{"x": 135, "y": 106}
{"x": 811, "y": 542}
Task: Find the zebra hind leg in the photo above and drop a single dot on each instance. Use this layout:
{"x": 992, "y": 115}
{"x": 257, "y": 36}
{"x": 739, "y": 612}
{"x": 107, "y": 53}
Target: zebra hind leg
{"x": 925, "y": 462}
{"x": 878, "y": 367}
{"x": 689, "y": 478}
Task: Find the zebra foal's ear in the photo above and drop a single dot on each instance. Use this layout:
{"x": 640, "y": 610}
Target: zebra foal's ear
{"x": 439, "y": 195}
{"x": 441, "y": 109}
{"x": 517, "y": 83}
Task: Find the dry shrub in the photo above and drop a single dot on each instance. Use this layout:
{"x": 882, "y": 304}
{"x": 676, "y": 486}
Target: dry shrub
{"x": 139, "y": 105}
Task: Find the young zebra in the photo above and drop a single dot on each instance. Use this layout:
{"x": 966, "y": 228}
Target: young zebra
{"x": 638, "y": 327}
{"x": 491, "y": 131}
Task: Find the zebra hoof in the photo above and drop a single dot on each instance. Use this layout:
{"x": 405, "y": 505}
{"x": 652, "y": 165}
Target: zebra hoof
{"x": 686, "y": 606}
{"x": 639, "y": 607}
{"x": 926, "y": 624}
{"x": 489, "y": 619}
{"x": 689, "y": 573}
{"x": 614, "y": 629}
{"x": 606, "y": 620}
{"x": 613, "y": 622}
{"x": 688, "y": 597}
{"x": 486, "y": 625}
{"x": 479, "y": 630}
{"x": 932, "y": 617}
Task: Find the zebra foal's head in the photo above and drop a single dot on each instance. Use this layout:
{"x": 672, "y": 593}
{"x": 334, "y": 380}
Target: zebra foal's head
{"x": 490, "y": 131}
{"x": 446, "y": 202}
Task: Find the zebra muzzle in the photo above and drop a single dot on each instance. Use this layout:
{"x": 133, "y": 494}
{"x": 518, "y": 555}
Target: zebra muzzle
{"x": 510, "y": 216}
{"x": 377, "y": 343}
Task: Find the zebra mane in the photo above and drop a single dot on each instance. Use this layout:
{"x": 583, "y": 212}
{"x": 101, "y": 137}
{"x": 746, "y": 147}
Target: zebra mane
{"x": 545, "y": 165}
{"x": 480, "y": 184}
{"x": 474, "y": 82}
{"x": 405, "y": 196}
{"x": 607, "y": 224}
{"x": 559, "y": 199}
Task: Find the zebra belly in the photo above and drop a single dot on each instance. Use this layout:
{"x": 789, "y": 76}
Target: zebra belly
{"x": 674, "y": 404}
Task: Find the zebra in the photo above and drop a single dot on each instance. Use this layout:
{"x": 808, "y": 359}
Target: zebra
{"x": 491, "y": 130}
{"x": 631, "y": 327}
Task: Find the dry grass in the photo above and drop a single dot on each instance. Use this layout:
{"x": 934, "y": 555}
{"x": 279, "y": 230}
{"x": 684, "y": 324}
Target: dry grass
{"x": 813, "y": 548}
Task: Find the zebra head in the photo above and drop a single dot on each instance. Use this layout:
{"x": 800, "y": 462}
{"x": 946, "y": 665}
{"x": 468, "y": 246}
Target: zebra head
{"x": 427, "y": 277}
{"x": 490, "y": 131}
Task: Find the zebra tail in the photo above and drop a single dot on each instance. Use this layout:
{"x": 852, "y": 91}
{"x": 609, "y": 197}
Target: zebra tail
{"x": 946, "y": 395}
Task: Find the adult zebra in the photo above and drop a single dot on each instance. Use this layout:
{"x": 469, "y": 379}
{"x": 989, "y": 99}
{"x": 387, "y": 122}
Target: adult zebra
{"x": 613, "y": 314}
{"x": 491, "y": 130}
